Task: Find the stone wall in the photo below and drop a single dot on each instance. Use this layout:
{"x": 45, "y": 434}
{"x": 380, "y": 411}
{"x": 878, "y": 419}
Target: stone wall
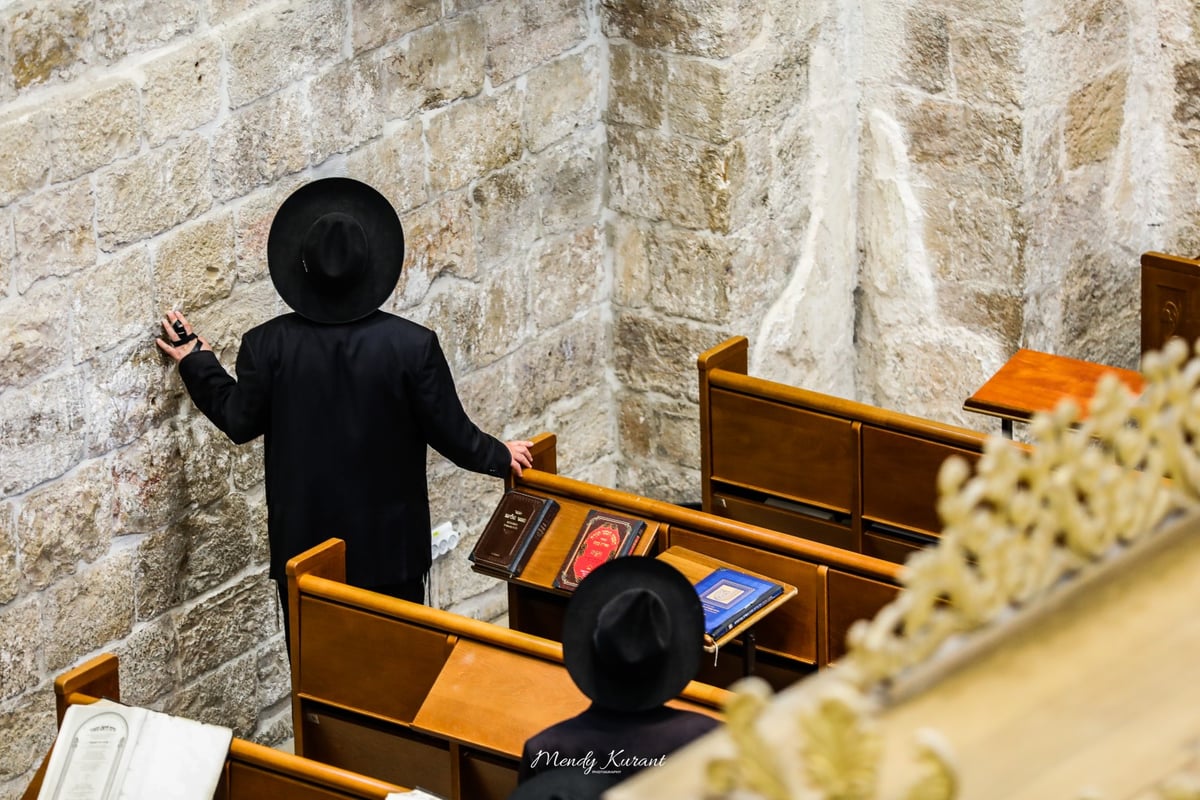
{"x": 886, "y": 197}
{"x": 147, "y": 145}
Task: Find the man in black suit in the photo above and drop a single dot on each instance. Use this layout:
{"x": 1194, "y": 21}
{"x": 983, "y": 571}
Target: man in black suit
{"x": 348, "y": 397}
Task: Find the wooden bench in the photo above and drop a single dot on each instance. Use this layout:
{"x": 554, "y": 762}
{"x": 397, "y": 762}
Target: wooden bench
{"x": 835, "y": 587}
{"x": 819, "y": 467}
{"x": 418, "y": 695}
{"x": 1170, "y": 299}
{"x": 252, "y": 771}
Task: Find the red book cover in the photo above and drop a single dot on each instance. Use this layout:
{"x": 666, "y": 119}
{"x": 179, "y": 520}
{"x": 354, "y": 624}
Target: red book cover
{"x": 602, "y": 537}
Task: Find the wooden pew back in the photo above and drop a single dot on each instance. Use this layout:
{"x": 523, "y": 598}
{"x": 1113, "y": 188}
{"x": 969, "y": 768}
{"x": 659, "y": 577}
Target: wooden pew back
{"x": 1170, "y": 299}
{"x": 806, "y": 632}
{"x": 252, "y": 771}
{"x": 820, "y": 467}
{"x": 419, "y": 695}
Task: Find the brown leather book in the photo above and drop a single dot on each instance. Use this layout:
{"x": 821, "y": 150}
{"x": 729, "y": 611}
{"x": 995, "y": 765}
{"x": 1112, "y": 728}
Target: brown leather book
{"x": 602, "y": 537}
{"x": 513, "y": 532}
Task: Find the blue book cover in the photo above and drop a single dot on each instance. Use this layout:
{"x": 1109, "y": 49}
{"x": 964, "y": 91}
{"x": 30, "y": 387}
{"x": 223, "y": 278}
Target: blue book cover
{"x": 729, "y": 596}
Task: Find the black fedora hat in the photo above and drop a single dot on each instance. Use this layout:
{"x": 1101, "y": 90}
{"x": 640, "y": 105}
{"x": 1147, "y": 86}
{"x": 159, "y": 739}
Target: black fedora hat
{"x": 633, "y": 633}
{"x": 335, "y": 250}
{"x": 565, "y": 783}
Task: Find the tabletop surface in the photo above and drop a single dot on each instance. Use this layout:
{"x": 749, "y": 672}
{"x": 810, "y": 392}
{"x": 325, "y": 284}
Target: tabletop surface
{"x": 1032, "y": 381}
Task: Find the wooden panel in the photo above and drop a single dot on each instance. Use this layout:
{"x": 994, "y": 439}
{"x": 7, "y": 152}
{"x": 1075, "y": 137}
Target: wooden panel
{"x": 246, "y": 782}
{"x": 775, "y": 515}
{"x": 899, "y": 482}
{"x": 536, "y": 611}
{"x": 796, "y": 454}
{"x": 851, "y": 598}
{"x": 376, "y": 748}
{"x": 495, "y": 699}
{"x": 892, "y": 548}
{"x": 484, "y": 777}
{"x": 791, "y": 629}
{"x": 355, "y": 658}
{"x": 1170, "y": 299}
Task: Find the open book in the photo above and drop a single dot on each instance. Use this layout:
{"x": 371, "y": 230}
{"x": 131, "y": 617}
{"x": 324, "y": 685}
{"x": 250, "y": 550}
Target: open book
{"x": 108, "y": 751}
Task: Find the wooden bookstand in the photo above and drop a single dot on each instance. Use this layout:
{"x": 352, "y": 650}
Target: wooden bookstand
{"x": 252, "y": 771}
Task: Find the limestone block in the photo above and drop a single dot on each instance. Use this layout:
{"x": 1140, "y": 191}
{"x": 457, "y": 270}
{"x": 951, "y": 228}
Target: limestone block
{"x": 1095, "y": 115}
{"x": 113, "y": 304}
{"x": 228, "y": 696}
{"x": 572, "y": 182}
{"x": 259, "y": 144}
{"x": 961, "y": 148}
{"x": 310, "y": 33}
{"x": 438, "y": 240}
{"x": 637, "y": 85}
{"x": 158, "y": 566}
{"x": 93, "y": 129}
{"x": 31, "y": 341}
{"x": 10, "y": 574}
{"x": 1101, "y": 317}
{"x": 194, "y": 265}
{"x": 218, "y": 542}
{"x": 152, "y": 193}
{"x": 927, "y": 50}
{"x": 628, "y": 241}
{"x": 252, "y": 223}
{"x": 507, "y": 206}
{"x": 452, "y": 580}
{"x": 41, "y": 431}
{"x": 703, "y": 98}
{"x": 487, "y": 396}
{"x": 653, "y": 427}
{"x": 149, "y": 662}
{"x": 148, "y": 484}
{"x": 27, "y": 730}
{"x": 663, "y": 177}
{"x": 660, "y": 480}
{"x": 568, "y": 277}
{"x": 344, "y": 107}
{"x": 274, "y": 673}
{"x": 770, "y": 79}
{"x": 654, "y": 354}
{"x": 987, "y": 65}
{"x": 585, "y": 428}
{"x": 490, "y": 605}
{"x": 524, "y": 33}
{"x": 561, "y": 98}
{"x": 248, "y": 468}
{"x": 65, "y": 524}
{"x": 87, "y": 610}
{"x": 377, "y": 22}
{"x": 223, "y": 10}
{"x": 136, "y": 25}
{"x": 602, "y": 473}
{"x": 434, "y": 66}
{"x": 472, "y": 138}
{"x": 52, "y": 233}
{"x": 992, "y": 311}
{"x": 182, "y": 90}
{"x": 712, "y": 28}
{"x": 480, "y": 323}
{"x": 273, "y": 729}
{"x": 206, "y": 455}
{"x": 48, "y": 42}
{"x": 126, "y": 396}
{"x": 976, "y": 237}
{"x": 19, "y": 641}
{"x": 25, "y": 138}
{"x": 690, "y": 272}
{"x": 7, "y": 249}
{"x": 1187, "y": 93}
{"x": 220, "y": 628}
{"x": 224, "y": 322}
{"x": 560, "y": 364}
{"x": 394, "y": 164}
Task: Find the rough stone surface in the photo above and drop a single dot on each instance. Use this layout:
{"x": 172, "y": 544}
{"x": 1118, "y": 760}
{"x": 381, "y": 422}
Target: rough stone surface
{"x": 26, "y": 139}
{"x": 659, "y": 355}
{"x": 194, "y": 264}
{"x": 344, "y": 108}
{"x": 260, "y": 144}
{"x": 485, "y": 320}
{"x": 396, "y": 162}
{"x": 182, "y": 91}
{"x": 569, "y": 275}
{"x": 90, "y": 608}
{"x": 711, "y": 28}
{"x": 230, "y": 622}
{"x": 93, "y": 130}
{"x": 637, "y": 85}
{"x": 65, "y": 525}
{"x": 310, "y": 33}
{"x": 569, "y": 184}
{"x": 562, "y": 97}
{"x": 149, "y": 662}
{"x": 152, "y": 193}
{"x": 41, "y": 431}
{"x": 1094, "y": 117}
{"x": 19, "y": 653}
{"x": 435, "y": 66}
{"x": 53, "y": 233}
{"x": 48, "y": 42}
{"x": 30, "y": 344}
{"x": 26, "y": 733}
{"x": 500, "y": 198}
{"x": 473, "y": 138}
{"x": 226, "y": 696}
{"x": 524, "y": 33}
{"x": 438, "y": 240}
{"x": 129, "y": 27}
{"x": 377, "y": 22}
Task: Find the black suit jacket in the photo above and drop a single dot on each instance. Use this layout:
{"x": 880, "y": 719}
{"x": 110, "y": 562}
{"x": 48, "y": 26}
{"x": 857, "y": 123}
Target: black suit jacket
{"x": 347, "y": 412}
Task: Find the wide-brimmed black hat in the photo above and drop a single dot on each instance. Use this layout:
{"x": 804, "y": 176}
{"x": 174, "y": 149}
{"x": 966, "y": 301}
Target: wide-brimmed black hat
{"x": 633, "y": 633}
{"x": 565, "y": 783}
{"x": 335, "y": 250}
